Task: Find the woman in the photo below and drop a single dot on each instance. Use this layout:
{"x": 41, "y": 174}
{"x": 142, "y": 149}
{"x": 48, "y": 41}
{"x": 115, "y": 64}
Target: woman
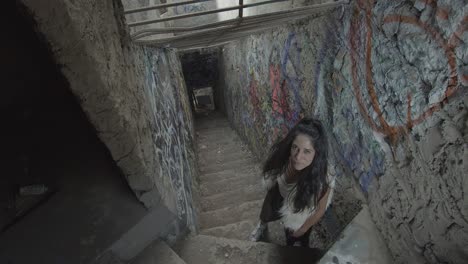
{"x": 299, "y": 190}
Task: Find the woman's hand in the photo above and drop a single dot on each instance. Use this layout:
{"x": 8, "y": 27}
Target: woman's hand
{"x": 298, "y": 233}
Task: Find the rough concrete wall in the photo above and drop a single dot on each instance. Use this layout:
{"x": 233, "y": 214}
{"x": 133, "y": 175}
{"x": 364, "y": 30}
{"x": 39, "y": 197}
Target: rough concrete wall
{"x": 135, "y": 97}
{"x": 389, "y": 78}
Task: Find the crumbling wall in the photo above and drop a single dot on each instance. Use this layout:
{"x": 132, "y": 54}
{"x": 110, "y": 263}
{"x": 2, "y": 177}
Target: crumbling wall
{"x": 134, "y": 96}
{"x": 389, "y": 80}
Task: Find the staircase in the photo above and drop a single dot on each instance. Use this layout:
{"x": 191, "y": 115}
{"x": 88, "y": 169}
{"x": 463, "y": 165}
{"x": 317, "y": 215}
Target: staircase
{"x": 231, "y": 199}
{"x": 230, "y": 181}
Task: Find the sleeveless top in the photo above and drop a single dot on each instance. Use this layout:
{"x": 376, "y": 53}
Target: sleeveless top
{"x": 291, "y": 219}
{"x": 284, "y": 187}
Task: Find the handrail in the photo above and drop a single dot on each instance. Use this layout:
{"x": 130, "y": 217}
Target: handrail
{"x": 201, "y": 13}
{"x": 153, "y": 7}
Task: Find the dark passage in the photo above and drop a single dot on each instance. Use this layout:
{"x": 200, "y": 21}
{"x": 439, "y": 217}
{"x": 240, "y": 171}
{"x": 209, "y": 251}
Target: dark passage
{"x": 46, "y": 139}
{"x": 201, "y": 76}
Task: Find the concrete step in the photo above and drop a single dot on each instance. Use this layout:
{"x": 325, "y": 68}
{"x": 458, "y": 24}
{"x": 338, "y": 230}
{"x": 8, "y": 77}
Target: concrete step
{"x": 230, "y": 214}
{"x": 241, "y": 230}
{"x": 205, "y": 160}
{"x": 212, "y": 188}
{"x": 215, "y": 130}
{"x": 203, "y": 249}
{"x": 211, "y": 123}
{"x": 221, "y": 136}
{"x": 158, "y": 252}
{"x": 237, "y": 196}
{"x": 230, "y": 174}
{"x": 218, "y": 140}
{"x": 233, "y": 164}
{"x": 215, "y": 146}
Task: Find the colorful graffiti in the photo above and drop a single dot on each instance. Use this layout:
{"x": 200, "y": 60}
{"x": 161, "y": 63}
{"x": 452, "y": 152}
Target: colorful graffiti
{"x": 273, "y": 97}
{"x": 356, "y": 41}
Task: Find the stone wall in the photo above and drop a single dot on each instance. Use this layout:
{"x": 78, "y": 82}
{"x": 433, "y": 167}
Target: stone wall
{"x": 135, "y": 97}
{"x": 389, "y": 80}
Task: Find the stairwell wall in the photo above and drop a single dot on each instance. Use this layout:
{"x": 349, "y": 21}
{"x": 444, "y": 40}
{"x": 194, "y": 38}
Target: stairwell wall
{"x": 134, "y": 96}
{"x": 389, "y": 79}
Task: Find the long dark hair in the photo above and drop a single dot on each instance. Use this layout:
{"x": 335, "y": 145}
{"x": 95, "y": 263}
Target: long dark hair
{"x": 312, "y": 180}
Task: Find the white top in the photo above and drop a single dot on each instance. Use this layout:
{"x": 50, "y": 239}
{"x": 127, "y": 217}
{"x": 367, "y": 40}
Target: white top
{"x": 294, "y": 220}
{"x": 285, "y": 188}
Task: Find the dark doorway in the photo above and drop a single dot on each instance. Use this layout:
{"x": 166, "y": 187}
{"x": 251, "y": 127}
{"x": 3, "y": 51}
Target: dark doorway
{"x": 201, "y": 74}
{"x": 81, "y": 202}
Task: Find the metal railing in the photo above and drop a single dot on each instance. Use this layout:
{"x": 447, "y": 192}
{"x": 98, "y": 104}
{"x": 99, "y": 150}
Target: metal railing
{"x": 218, "y": 32}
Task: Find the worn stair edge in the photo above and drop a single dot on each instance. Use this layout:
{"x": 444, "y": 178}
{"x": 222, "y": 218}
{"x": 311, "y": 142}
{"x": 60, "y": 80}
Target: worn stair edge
{"x": 205, "y": 160}
{"x": 158, "y": 252}
{"x": 211, "y": 144}
{"x": 226, "y": 156}
{"x": 212, "y": 188}
{"x": 229, "y": 174}
{"x": 214, "y": 129}
{"x": 234, "y": 164}
{"x": 220, "y": 134}
{"x": 237, "y": 196}
{"x": 203, "y": 249}
{"x": 230, "y": 214}
{"x": 223, "y": 150}
{"x": 241, "y": 230}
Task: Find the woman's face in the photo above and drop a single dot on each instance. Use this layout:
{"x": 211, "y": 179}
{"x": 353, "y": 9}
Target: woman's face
{"x": 302, "y": 152}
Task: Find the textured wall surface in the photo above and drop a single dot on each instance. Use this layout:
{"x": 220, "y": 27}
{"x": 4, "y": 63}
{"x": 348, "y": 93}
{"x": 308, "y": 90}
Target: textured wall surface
{"x": 135, "y": 98}
{"x": 389, "y": 80}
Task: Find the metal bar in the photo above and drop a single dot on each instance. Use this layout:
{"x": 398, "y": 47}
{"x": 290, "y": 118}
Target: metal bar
{"x": 147, "y": 8}
{"x": 300, "y": 12}
{"x": 152, "y": 21}
{"x": 241, "y": 9}
{"x": 184, "y": 29}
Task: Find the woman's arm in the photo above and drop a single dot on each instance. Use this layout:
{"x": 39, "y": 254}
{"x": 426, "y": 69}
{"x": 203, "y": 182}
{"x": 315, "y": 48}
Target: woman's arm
{"x": 313, "y": 219}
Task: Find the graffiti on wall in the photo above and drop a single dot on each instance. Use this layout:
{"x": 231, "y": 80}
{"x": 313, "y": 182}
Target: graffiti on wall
{"x": 274, "y": 100}
{"x": 391, "y": 104}
{"x": 361, "y": 44}
{"x": 392, "y": 81}
{"x": 171, "y": 132}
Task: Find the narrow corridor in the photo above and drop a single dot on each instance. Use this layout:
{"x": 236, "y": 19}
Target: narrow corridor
{"x": 230, "y": 182}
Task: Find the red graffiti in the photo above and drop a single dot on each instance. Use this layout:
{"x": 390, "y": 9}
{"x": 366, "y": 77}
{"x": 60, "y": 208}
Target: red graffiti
{"x": 393, "y": 131}
{"x": 442, "y": 13}
{"x": 279, "y": 95}
{"x": 254, "y": 100}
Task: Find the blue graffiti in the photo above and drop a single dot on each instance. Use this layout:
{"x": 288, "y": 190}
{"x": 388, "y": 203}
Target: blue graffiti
{"x": 293, "y": 80}
{"x": 322, "y": 55}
